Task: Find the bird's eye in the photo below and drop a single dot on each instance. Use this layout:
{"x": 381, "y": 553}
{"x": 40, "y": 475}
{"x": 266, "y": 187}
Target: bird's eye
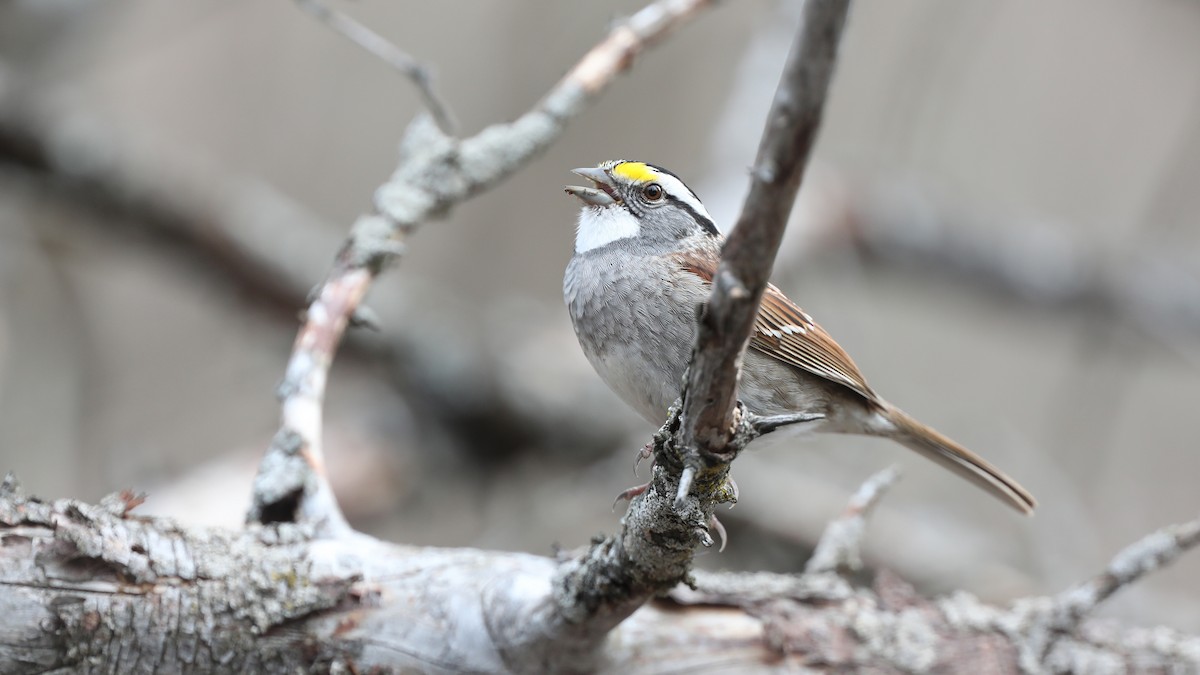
{"x": 653, "y": 192}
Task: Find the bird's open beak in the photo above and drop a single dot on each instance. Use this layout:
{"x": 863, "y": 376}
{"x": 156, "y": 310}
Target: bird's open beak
{"x": 601, "y": 195}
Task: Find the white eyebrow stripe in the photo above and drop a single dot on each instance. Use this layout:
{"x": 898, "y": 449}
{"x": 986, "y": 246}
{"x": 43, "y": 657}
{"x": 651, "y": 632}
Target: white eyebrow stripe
{"x": 677, "y": 189}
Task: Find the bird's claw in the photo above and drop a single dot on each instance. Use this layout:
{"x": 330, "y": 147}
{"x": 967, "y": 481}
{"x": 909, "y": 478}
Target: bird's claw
{"x": 715, "y": 525}
{"x": 646, "y": 451}
{"x": 630, "y": 494}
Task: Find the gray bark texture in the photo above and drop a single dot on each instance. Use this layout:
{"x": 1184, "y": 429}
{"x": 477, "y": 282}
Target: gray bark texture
{"x": 95, "y": 589}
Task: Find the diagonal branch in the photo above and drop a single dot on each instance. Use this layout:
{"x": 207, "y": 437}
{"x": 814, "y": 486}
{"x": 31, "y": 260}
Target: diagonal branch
{"x": 435, "y": 172}
{"x": 749, "y": 254}
{"x": 660, "y": 532}
{"x": 1132, "y": 563}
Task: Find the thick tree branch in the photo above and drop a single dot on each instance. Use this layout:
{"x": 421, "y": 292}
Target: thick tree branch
{"x": 93, "y": 588}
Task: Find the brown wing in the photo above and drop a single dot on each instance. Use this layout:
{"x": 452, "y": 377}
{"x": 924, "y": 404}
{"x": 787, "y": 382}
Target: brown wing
{"x": 785, "y": 332}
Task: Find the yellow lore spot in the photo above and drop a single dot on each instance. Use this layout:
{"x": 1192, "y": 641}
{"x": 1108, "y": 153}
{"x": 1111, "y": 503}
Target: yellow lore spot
{"x": 635, "y": 171}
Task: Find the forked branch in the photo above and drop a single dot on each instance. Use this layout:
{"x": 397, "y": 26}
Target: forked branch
{"x": 435, "y": 173}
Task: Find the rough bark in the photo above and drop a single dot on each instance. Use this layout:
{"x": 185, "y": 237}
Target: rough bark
{"x": 94, "y": 589}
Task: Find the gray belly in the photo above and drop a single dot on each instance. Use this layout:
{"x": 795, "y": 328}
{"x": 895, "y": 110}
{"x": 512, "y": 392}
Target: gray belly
{"x": 634, "y": 327}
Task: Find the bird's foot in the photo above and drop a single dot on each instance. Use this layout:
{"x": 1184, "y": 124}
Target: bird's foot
{"x": 647, "y": 451}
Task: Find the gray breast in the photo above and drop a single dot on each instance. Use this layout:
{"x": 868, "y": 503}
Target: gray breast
{"x": 635, "y": 320}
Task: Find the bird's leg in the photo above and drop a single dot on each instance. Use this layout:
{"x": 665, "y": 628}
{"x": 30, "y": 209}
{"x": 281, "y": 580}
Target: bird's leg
{"x": 765, "y": 424}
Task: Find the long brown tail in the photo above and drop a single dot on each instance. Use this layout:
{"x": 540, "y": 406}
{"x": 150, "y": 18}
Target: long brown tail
{"x": 929, "y": 443}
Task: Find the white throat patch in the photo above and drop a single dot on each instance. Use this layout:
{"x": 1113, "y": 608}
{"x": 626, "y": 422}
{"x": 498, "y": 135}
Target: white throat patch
{"x": 600, "y": 226}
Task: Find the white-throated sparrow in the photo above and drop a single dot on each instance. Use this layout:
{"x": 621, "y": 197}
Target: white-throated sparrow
{"x": 645, "y": 254}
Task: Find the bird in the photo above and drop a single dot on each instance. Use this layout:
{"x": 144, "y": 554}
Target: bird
{"x": 646, "y": 250}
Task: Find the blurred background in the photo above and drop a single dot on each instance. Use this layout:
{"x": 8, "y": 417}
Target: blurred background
{"x": 999, "y": 225}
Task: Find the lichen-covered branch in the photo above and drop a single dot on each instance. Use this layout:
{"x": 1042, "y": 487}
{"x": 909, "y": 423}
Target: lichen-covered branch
{"x": 1131, "y": 564}
{"x": 94, "y": 588}
{"x": 435, "y": 172}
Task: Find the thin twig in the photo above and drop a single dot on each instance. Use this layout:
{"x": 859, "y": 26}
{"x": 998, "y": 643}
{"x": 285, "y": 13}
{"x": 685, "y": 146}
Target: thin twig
{"x": 840, "y": 546}
{"x": 1047, "y": 632}
{"x": 435, "y": 172}
{"x": 1132, "y": 563}
{"x": 390, "y": 54}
